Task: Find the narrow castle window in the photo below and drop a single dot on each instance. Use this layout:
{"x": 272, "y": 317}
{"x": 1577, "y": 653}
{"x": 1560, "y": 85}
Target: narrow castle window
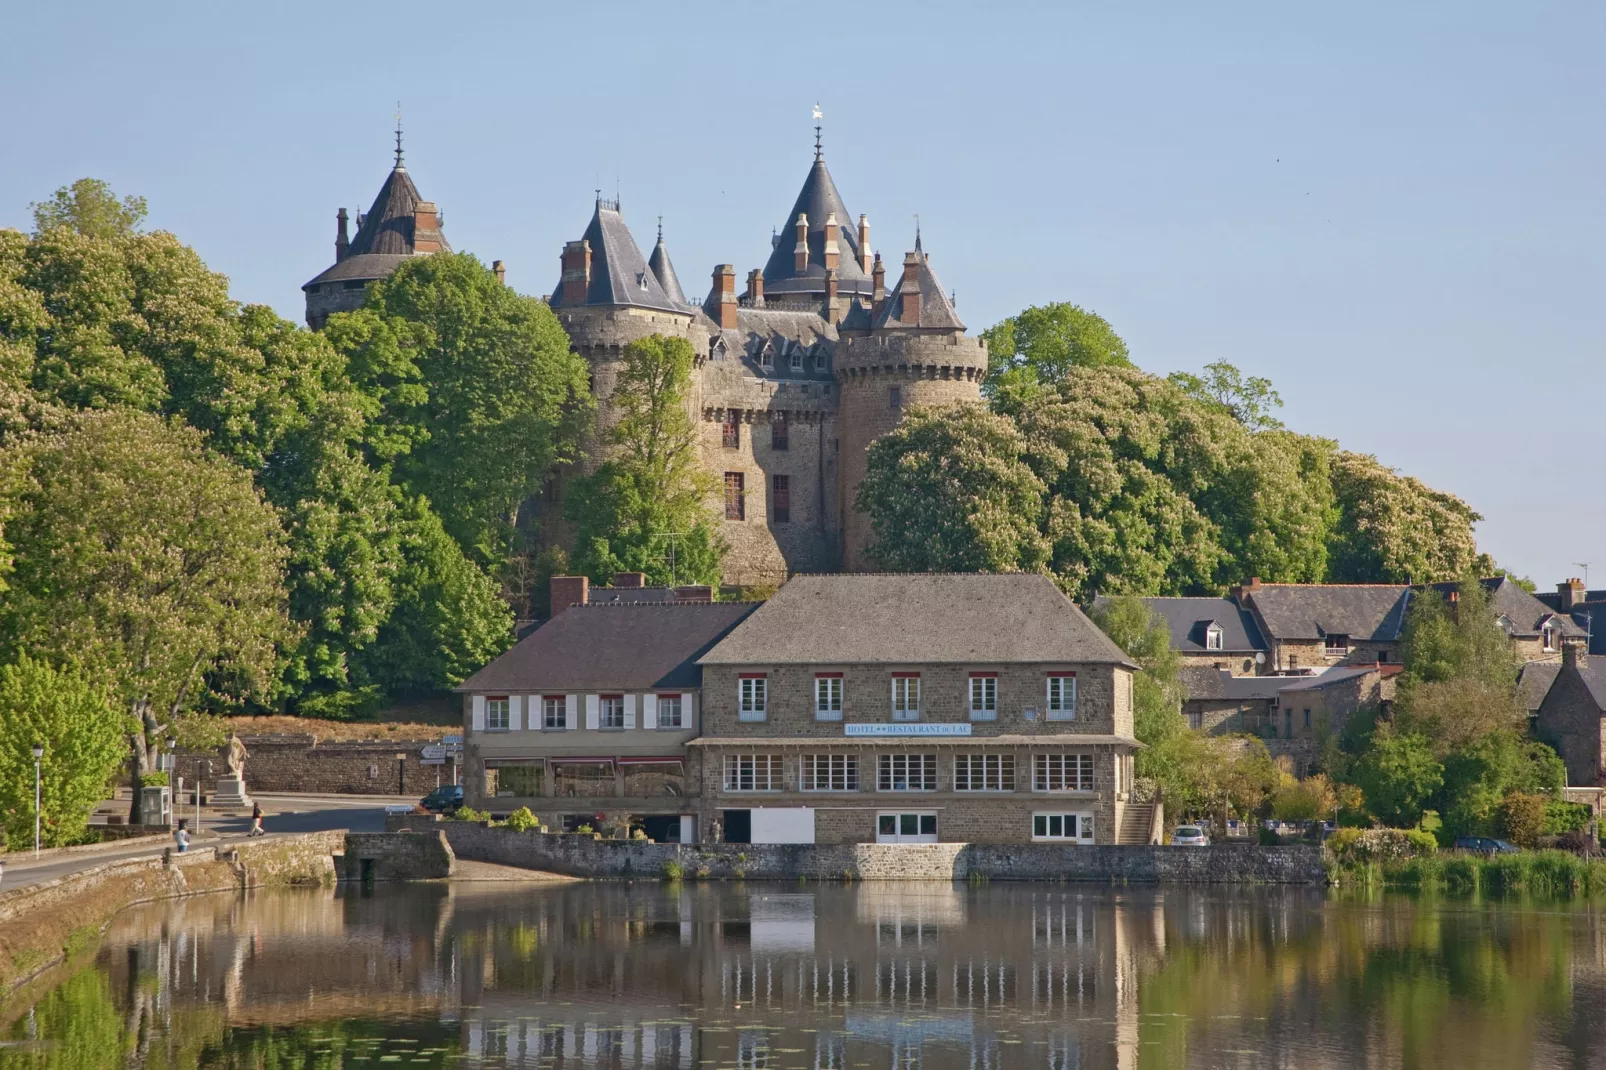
{"x": 779, "y": 439}
{"x": 895, "y": 398}
{"x": 735, "y": 496}
{"x": 731, "y": 432}
{"x": 781, "y": 498}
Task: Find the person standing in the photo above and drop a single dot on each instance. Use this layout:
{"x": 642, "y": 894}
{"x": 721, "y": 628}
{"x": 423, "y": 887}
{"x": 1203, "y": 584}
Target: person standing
{"x": 181, "y": 836}
{"x": 256, "y": 820}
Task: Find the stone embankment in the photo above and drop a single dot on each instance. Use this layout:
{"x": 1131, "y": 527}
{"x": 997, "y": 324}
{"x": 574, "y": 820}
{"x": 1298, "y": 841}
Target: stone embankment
{"x": 583, "y": 856}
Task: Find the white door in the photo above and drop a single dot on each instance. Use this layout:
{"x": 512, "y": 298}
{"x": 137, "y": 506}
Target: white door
{"x": 904, "y": 826}
{"x": 782, "y": 824}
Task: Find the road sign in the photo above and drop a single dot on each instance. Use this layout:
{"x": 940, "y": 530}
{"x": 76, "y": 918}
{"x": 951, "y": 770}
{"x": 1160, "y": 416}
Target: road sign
{"x": 452, "y": 741}
{"x": 432, "y": 752}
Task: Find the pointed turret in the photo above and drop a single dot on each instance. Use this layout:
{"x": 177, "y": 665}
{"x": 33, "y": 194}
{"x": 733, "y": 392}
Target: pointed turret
{"x": 400, "y": 224}
{"x": 797, "y": 269}
{"x": 918, "y": 300}
{"x": 614, "y": 272}
{"x": 664, "y": 271}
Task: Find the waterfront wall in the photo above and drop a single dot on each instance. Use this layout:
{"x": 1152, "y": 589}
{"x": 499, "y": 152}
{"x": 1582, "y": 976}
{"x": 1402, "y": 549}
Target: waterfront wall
{"x": 397, "y": 856}
{"x": 582, "y": 856}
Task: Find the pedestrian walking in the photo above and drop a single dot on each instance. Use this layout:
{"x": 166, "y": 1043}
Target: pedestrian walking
{"x": 182, "y": 836}
{"x": 256, "y": 820}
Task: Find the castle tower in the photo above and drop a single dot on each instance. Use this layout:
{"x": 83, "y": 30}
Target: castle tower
{"x": 915, "y": 353}
{"x": 825, "y": 241}
{"x": 400, "y": 224}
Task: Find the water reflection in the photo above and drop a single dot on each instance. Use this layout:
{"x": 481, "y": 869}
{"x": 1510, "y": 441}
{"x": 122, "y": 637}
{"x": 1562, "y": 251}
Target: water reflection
{"x": 631, "y": 977}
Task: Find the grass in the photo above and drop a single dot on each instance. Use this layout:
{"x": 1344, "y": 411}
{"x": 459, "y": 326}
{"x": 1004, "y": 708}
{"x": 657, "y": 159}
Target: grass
{"x": 1557, "y": 874}
{"x": 343, "y": 731}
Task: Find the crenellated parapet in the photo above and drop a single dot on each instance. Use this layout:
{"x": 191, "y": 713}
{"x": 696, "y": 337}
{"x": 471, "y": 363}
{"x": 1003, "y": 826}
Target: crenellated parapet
{"x": 912, "y": 355}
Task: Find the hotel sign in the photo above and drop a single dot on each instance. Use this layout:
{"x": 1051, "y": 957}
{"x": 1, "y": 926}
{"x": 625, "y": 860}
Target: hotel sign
{"x": 912, "y": 729}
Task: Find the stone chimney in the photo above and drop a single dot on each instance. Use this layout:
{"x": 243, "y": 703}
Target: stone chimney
{"x": 878, "y": 278}
{"x": 630, "y": 579}
{"x": 1238, "y": 592}
{"x": 695, "y": 592}
{"x": 833, "y": 248}
{"x": 755, "y": 288}
{"x": 722, "y": 301}
{"x": 909, "y": 290}
{"x": 569, "y": 591}
{"x": 426, "y": 228}
{"x": 864, "y": 243}
{"x": 499, "y": 271}
{"x": 800, "y": 253}
{"x": 342, "y": 243}
{"x": 1574, "y": 651}
{"x": 1570, "y": 594}
{"x": 576, "y": 273}
{"x": 831, "y": 314}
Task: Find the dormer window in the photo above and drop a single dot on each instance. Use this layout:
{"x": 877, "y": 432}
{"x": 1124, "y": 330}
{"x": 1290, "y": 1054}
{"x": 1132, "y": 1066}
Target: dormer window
{"x": 1213, "y": 636}
{"x": 1549, "y": 634}
{"x": 641, "y": 279}
{"x": 766, "y": 357}
{"x": 797, "y": 359}
{"x": 717, "y": 351}
{"x": 1503, "y": 622}
{"x": 1336, "y": 645}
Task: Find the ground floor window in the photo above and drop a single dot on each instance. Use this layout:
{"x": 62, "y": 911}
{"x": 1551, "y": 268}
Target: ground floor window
{"x": 907, "y": 772}
{"x": 753, "y": 772}
{"x": 521, "y": 781}
{"x": 582, "y": 780}
{"x": 916, "y": 827}
{"x": 1072, "y": 827}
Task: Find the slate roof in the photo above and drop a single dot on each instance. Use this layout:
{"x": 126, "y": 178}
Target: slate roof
{"x": 1203, "y": 682}
{"x": 1593, "y": 674}
{"x": 1336, "y": 675}
{"x": 1311, "y": 611}
{"x": 781, "y": 329}
{"x": 912, "y": 619}
{"x": 619, "y": 273}
{"x": 385, "y": 238}
{"x": 1534, "y": 681}
{"x": 1189, "y": 618}
{"x": 664, "y": 272}
{"x": 637, "y": 646}
{"x": 1527, "y": 612}
{"x": 936, "y": 310}
{"x": 818, "y": 199}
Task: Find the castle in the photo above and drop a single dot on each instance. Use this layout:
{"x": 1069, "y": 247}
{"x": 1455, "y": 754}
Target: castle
{"x": 795, "y": 376}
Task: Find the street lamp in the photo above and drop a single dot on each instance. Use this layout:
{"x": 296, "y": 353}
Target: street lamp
{"x": 38, "y": 756}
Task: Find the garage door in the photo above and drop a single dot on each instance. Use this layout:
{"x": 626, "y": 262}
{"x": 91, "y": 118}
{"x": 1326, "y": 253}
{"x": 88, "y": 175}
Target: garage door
{"x": 783, "y": 824}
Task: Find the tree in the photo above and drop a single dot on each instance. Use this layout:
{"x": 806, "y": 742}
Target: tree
{"x": 948, "y": 491}
{"x": 1481, "y": 773}
{"x": 1398, "y": 775}
{"x": 84, "y": 739}
{"x": 1040, "y": 346}
{"x": 89, "y": 207}
{"x": 1460, "y": 678}
{"x": 1304, "y": 800}
{"x": 652, "y": 484}
{"x": 1249, "y": 400}
{"x": 1393, "y": 529}
{"x": 147, "y": 564}
{"x": 475, "y": 394}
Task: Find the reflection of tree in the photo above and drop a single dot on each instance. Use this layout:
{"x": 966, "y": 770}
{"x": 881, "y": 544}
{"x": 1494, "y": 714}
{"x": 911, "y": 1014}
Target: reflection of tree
{"x": 77, "y": 1025}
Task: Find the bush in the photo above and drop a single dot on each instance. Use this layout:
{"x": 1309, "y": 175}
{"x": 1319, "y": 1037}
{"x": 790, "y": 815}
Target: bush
{"x": 523, "y": 820}
{"x": 468, "y": 813}
{"x": 154, "y": 779}
{"x": 1380, "y": 845}
{"x": 1522, "y": 818}
{"x": 673, "y": 870}
{"x": 362, "y": 704}
{"x": 1562, "y": 817}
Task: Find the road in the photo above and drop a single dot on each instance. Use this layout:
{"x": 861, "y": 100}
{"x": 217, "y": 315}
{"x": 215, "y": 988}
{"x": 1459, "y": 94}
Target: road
{"x": 284, "y": 814}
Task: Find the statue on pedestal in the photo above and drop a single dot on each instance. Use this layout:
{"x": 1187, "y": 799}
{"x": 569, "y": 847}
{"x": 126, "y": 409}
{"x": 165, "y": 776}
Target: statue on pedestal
{"x": 237, "y": 756}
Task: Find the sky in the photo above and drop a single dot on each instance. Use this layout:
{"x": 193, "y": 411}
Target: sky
{"x": 1392, "y": 211}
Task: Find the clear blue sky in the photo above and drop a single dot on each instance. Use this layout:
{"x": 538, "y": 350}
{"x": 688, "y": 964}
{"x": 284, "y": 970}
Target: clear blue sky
{"x": 1393, "y": 211}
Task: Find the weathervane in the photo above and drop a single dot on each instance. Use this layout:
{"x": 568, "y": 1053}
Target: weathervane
{"x": 398, "y": 134}
{"x": 818, "y": 115}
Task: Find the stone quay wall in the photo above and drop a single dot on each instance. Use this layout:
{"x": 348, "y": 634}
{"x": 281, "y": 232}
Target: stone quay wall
{"x": 396, "y": 856}
{"x": 583, "y": 856}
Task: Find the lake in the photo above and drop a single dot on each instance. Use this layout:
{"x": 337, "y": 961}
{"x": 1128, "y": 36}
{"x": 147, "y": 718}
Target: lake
{"x": 882, "y": 976}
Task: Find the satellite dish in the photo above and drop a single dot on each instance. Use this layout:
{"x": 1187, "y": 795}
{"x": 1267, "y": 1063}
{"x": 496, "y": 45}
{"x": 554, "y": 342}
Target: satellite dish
{"x": 1260, "y": 659}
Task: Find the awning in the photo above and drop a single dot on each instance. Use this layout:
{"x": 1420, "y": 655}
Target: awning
{"x": 651, "y": 761}
{"x": 605, "y": 760}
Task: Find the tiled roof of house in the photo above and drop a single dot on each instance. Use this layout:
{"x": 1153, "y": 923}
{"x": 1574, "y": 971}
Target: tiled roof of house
{"x": 912, "y": 619}
{"x": 619, "y": 273}
{"x": 819, "y": 201}
{"x": 1189, "y": 619}
{"x": 1312, "y": 611}
{"x": 635, "y": 646}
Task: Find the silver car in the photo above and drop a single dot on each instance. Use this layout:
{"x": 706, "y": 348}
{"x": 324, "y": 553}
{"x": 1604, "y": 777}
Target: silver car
{"x": 1190, "y": 836}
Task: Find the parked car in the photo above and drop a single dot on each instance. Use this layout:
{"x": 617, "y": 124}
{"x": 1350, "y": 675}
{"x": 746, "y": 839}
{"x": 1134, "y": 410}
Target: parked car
{"x": 1190, "y": 836}
{"x": 1486, "y": 845}
{"x": 447, "y": 799}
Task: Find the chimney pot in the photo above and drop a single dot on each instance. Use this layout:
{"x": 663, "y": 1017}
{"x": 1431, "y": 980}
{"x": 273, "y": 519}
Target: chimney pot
{"x": 576, "y": 273}
{"x": 864, "y": 244}
{"x": 831, "y": 315}
{"x": 630, "y": 579}
{"x": 1570, "y": 594}
{"x": 569, "y": 591}
{"x": 342, "y": 243}
{"x": 499, "y": 271}
{"x": 800, "y": 252}
{"x": 722, "y": 306}
{"x": 833, "y": 250}
{"x": 694, "y": 592}
{"x": 1574, "y": 653}
{"x": 755, "y": 288}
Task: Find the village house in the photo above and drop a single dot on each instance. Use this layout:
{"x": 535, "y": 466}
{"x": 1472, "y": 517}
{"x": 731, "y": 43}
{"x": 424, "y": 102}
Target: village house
{"x": 918, "y": 709}
{"x": 590, "y": 714}
{"x": 1292, "y": 714}
{"x": 1572, "y": 715}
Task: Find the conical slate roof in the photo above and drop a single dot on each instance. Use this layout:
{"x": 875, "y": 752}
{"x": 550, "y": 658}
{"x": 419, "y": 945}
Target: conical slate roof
{"x": 819, "y": 200}
{"x": 619, "y": 273}
{"x": 664, "y": 271}
{"x": 386, "y": 236}
{"x": 936, "y": 310}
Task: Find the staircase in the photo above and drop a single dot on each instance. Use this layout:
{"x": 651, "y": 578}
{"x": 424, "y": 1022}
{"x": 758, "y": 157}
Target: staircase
{"x": 1136, "y": 822}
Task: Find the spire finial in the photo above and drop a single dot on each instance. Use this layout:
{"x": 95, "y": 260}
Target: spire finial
{"x": 660, "y": 230}
{"x": 398, "y": 134}
{"x": 819, "y": 153}
{"x": 917, "y": 232}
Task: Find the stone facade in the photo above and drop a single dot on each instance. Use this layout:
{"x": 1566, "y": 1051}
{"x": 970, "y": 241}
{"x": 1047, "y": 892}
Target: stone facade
{"x": 1572, "y": 717}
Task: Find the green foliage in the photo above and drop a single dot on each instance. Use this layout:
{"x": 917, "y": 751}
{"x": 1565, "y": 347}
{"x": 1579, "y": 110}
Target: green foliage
{"x": 1380, "y": 845}
{"x": 652, "y": 485}
{"x": 523, "y": 820}
{"x": 1157, "y": 691}
{"x": 1522, "y": 818}
{"x": 1304, "y": 800}
{"x": 468, "y": 813}
{"x": 1393, "y": 529}
{"x": 1481, "y": 773}
{"x": 1399, "y": 775}
{"x": 198, "y": 731}
{"x": 1041, "y": 345}
{"x": 1247, "y": 399}
{"x": 154, "y": 779}
{"x": 1562, "y": 817}
{"x": 949, "y": 491}
{"x": 89, "y": 207}
{"x": 84, "y": 739}
{"x": 475, "y": 394}
{"x": 673, "y": 871}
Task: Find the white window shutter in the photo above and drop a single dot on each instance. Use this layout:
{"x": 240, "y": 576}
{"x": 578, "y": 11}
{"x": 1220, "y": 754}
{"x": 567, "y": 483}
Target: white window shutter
{"x": 515, "y": 712}
{"x": 649, "y": 711}
{"x": 593, "y": 712}
{"x": 631, "y": 701}
{"x": 571, "y": 711}
{"x": 687, "y": 720}
{"x": 477, "y": 718}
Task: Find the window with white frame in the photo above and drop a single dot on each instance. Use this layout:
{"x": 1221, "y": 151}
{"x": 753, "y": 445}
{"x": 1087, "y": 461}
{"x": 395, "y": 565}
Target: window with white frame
{"x": 828, "y": 696}
{"x": 496, "y": 713}
{"x": 612, "y": 711}
{"x": 906, "y": 697}
{"x": 1549, "y": 633}
{"x": 1213, "y": 636}
{"x": 1063, "y": 772}
{"x": 1077, "y": 827}
{"x": 1062, "y": 697}
{"x": 984, "y": 772}
{"x": 753, "y": 693}
{"x": 554, "y": 711}
{"x": 670, "y": 714}
{"x": 753, "y": 772}
{"x": 984, "y": 696}
{"x": 829, "y": 772}
{"x": 907, "y": 772}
